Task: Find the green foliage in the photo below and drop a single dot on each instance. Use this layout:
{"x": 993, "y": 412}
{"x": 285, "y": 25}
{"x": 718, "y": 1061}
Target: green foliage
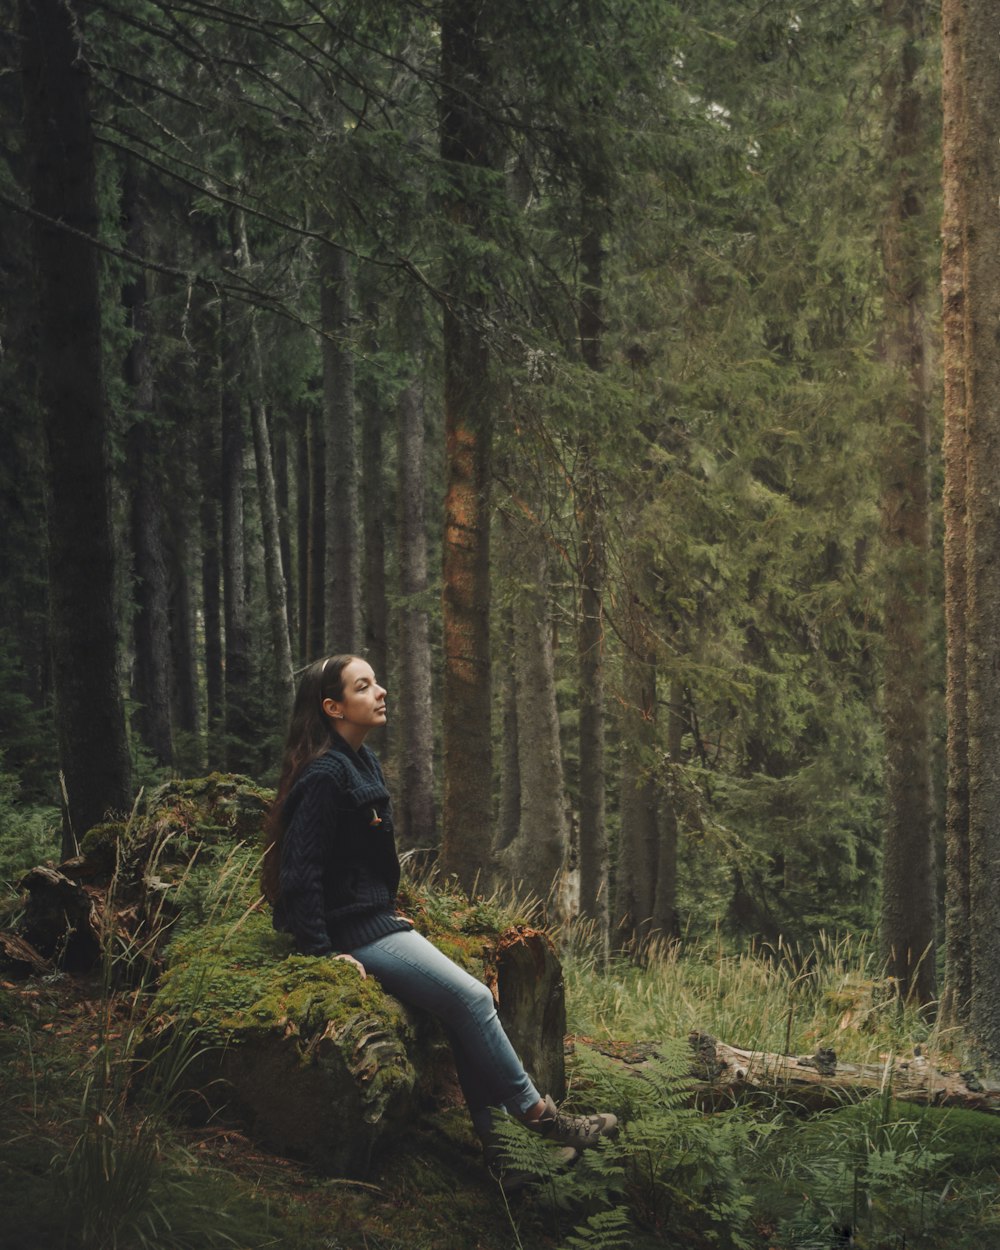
{"x": 886, "y": 1171}
{"x": 672, "y": 1176}
{"x": 28, "y": 835}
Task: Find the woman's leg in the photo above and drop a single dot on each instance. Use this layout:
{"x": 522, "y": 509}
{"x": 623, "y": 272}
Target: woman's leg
{"x": 417, "y": 973}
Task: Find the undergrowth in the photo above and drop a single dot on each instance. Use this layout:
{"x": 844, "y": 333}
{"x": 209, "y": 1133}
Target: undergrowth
{"x": 92, "y": 1155}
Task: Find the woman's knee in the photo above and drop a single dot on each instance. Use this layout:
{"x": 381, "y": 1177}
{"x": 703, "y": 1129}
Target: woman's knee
{"x": 472, "y": 1000}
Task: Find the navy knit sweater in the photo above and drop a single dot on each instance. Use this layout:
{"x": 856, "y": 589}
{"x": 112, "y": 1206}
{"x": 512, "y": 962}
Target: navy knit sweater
{"x": 339, "y": 869}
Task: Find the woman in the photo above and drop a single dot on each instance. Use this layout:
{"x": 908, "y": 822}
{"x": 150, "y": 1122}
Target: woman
{"x": 331, "y": 874}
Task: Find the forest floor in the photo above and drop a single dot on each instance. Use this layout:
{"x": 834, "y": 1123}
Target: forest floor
{"x": 84, "y": 1167}
{"x": 428, "y": 1189}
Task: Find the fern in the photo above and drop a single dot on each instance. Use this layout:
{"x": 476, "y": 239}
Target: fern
{"x": 605, "y": 1230}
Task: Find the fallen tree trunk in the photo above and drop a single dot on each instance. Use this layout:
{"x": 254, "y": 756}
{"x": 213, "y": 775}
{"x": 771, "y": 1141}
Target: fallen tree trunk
{"x": 822, "y": 1079}
{"x": 319, "y": 1064}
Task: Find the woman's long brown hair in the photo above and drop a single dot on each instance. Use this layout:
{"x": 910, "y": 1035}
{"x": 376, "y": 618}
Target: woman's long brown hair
{"x": 308, "y": 737}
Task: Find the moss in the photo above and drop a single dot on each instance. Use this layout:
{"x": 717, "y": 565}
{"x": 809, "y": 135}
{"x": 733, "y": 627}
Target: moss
{"x": 465, "y": 931}
{"x": 100, "y": 845}
{"x": 237, "y": 983}
{"x": 221, "y": 806}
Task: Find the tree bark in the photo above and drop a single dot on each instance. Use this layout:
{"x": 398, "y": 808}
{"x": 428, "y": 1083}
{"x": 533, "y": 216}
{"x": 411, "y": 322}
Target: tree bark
{"x": 821, "y": 1079}
{"x": 210, "y": 519}
{"x": 152, "y": 666}
{"x": 315, "y": 641}
{"x": 93, "y": 750}
{"x": 280, "y": 668}
{"x": 536, "y": 860}
{"x": 373, "y": 498}
{"x": 239, "y": 726}
{"x": 343, "y": 561}
{"x": 639, "y": 836}
{"x": 590, "y": 630}
{"x": 909, "y": 869}
{"x": 466, "y": 147}
{"x": 417, "y": 808}
{"x": 978, "y": 156}
{"x": 958, "y": 968}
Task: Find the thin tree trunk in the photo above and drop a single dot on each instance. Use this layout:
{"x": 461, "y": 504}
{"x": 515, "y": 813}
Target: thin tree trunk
{"x": 509, "y": 808}
{"x": 343, "y": 561}
{"x": 152, "y": 665}
{"x": 536, "y": 860}
{"x": 417, "y": 810}
{"x": 664, "y": 918}
{"x": 373, "y": 503}
{"x": 283, "y": 501}
{"x": 302, "y": 552}
{"x": 274, "y": 575}
{"x": 210, "y": 472}
{"x": 182, "y": 632}
{"x": 93, "y": 750}
{"x": 316, "y": 644}
{"x": 909, "y": 868}
{"x": 590, "y": 630}
{"x": 466, "y": 147}
{"x": 958, "y": 969}
{"x": 638, "y": 846}
{"x": 240, "y": 730}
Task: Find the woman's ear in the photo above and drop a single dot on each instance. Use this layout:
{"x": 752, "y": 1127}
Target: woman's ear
{"x": 332, "y": 708}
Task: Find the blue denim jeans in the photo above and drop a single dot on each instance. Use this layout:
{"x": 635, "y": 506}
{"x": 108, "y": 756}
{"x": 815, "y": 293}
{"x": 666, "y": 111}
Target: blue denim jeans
{"x": 415, "y": 972}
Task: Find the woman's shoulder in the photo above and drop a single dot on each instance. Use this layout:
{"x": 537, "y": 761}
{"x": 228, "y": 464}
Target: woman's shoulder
{"x": 322, "y": 779}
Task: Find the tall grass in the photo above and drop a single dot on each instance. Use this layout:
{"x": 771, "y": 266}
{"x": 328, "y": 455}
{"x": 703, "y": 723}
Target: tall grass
{"x": 784, "y": 999}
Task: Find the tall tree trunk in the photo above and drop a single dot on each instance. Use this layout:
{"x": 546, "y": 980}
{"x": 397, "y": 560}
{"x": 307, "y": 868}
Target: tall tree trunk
{"x": 274, "y": 575}
{"x": 316, "y": 644}
{"x": 664, "y": 916}
{"x": 536, "y": 861}
{"x": 466, "y": 148}
{"x": 417, "y": 809}
{"x": 210, "y": 521}
{"x": 638, "y": 839}
{"x": 373, "y": 497}
{"x": 240, "y": 730}
{"x": 908, "y": 872}
{"x": 978, "y": 158}
{"x": 958, "y": 967}
{"x": 187, "y": 753}
{"x": 509, "y": 805}
{"x": 302, "y": 537}
{"x": 93, "y": 750}
{"x": 152, "y": 667}
{"x": 590, "y": 629}
{"x": 283, "y": 500}
{"x": 343, "y": 562}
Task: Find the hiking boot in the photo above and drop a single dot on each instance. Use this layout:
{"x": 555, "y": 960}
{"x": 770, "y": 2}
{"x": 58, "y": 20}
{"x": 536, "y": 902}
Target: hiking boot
{"x": 578, "y": 1131}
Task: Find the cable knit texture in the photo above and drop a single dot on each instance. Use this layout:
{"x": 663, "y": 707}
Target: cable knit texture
{"x": 339, "y": 868}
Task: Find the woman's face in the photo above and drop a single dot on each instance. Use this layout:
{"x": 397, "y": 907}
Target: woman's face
{"x": 362, "y": 705}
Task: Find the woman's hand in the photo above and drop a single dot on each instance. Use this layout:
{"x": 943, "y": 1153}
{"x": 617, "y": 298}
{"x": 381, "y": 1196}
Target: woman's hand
{"x": 349, "y": 959}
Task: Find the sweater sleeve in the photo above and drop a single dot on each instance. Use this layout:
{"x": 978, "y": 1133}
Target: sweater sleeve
{"x": 312, "y": 825}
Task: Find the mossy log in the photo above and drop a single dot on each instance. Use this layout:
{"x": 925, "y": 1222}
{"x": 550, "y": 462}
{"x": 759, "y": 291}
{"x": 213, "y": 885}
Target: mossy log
{"x": 320, "y": 1064}
{"x": 317, "y": 1062}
